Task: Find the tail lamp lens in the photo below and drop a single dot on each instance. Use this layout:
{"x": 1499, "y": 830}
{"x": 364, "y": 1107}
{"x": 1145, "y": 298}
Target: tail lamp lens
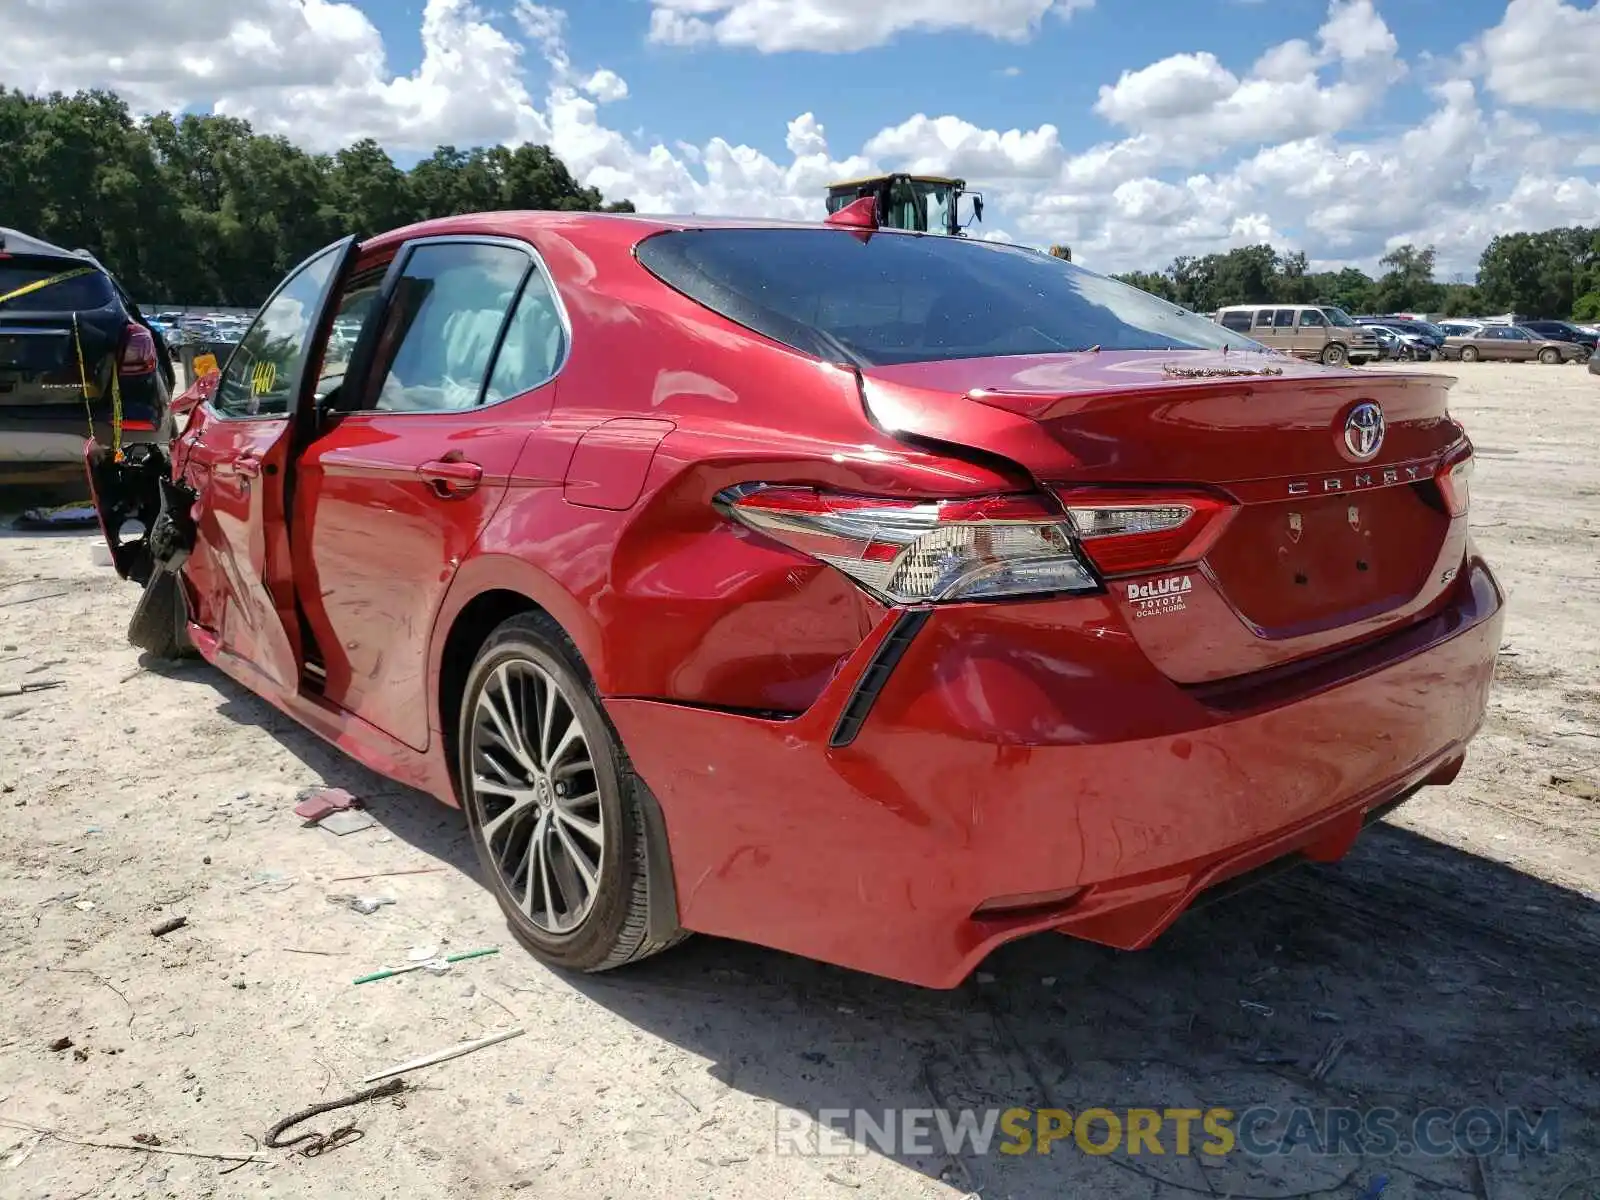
{"x": 920, "y": 552}
{"x": 138, "y": 351}
{"x": 1128, "y": 532}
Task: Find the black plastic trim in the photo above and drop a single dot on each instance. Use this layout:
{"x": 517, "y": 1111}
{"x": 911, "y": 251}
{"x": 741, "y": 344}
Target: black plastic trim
{"x": 884, "y": 660}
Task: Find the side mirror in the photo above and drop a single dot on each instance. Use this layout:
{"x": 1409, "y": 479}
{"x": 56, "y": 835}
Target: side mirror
{"x": 977, "y": 207}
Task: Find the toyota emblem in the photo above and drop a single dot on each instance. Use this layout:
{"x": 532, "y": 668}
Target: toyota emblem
{"x": 1363, "y": 430}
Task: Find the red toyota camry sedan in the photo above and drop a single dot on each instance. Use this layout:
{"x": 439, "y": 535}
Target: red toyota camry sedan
{"x": 876, "y": 596}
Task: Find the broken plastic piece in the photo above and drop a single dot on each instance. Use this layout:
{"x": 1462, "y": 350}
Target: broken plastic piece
{"x": 317, "y": 803}
{"x": 341, "y": 823}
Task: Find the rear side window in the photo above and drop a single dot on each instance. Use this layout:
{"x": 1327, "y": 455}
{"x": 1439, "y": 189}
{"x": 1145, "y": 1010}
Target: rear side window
{"x": 1311, "y": 317}
{"x": 534, "y": 344}
{"x": 1284, "y": 318}
{"x": 450, "y": 303}
{"x": 902, "y": 298}
{"x": 1264, "y": 318}
{"x": 85, "y": 291}
{"x": 1237, "y": 321}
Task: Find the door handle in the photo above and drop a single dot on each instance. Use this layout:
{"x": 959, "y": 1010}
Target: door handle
{"x": 450, "y": 478}
{"x": 247, "y": 465}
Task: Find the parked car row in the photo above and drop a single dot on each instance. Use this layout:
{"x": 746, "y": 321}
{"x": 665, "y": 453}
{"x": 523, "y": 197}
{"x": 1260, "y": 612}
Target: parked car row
{"x": 181, "y": 329}
{"x": 1323, "y": 333}
{"x": 1548, "y": 342}
{"x": 1327, "y": 334}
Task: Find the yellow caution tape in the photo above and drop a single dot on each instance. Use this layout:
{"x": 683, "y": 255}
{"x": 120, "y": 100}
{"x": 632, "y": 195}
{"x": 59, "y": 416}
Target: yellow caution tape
{"x": 40, "y": 284}
{"x": 116, "y": 395}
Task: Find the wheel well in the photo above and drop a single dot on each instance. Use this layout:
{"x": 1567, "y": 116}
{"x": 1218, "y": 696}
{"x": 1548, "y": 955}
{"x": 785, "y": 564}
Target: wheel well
{"x": 473, "y": 625}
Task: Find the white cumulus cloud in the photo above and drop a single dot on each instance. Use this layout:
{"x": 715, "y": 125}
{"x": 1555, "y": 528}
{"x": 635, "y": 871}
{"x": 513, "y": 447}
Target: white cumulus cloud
{"x": 1545, "y": 53}
{"x": 772, "y": 26}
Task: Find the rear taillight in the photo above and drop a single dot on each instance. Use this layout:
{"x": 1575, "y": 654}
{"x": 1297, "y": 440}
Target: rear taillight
{"x": 1454, "y": 480}
{"x": 138, "y": 351}
{"x": 1126, "y": 531}
{"x": 920, "y": 552}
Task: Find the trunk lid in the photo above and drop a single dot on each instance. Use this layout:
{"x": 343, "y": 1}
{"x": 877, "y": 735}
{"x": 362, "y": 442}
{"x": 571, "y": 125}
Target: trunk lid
{"x": 1322, "y": 546}
{"x": 39, "y": 360}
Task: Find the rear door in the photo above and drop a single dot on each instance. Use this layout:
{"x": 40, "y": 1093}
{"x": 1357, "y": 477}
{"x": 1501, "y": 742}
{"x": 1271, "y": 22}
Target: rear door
{"x": 235, "y": 456}
{"x": 403, "y": 476}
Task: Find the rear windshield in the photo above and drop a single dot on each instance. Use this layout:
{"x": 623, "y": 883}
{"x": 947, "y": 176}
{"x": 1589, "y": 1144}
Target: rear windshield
{"x": 91, "y": 290}
{"x": 900, "y": 298}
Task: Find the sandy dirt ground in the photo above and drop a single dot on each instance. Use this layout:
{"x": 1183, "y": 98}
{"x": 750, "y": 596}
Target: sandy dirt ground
{"x": 1456, "y": 952}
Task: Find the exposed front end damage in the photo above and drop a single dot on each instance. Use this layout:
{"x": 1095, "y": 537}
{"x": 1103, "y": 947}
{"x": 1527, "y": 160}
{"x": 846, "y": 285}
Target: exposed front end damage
{"x": 147, "y": 520}
{"x": 144, "y": 515}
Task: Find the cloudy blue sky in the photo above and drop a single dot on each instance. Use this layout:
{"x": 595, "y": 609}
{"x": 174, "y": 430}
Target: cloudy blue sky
{"x": 1133, "y": 130}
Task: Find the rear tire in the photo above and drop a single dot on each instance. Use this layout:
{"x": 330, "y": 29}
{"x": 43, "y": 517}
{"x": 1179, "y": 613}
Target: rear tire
{"x": 1334, "y": 355}
{"x": 1549, "y": 357}
{"x": 557, "y": 815}
{"x": 1469, "y": 354}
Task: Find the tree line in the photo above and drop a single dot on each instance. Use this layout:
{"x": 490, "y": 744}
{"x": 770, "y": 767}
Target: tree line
{"x": 204, "y": 210}
{"x": 1555, "y": 273}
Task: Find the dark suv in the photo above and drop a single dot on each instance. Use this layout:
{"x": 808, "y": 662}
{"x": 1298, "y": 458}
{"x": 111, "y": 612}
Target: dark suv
{"x": 71, "y": 345}
{"x": 1562, "y": 331}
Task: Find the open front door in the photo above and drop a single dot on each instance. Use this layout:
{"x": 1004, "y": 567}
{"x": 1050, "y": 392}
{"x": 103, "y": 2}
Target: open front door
{"x": 235, "y": 456}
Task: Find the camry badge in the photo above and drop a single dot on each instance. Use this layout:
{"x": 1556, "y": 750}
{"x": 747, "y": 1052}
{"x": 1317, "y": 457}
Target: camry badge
{"x": 1363, "y": 430}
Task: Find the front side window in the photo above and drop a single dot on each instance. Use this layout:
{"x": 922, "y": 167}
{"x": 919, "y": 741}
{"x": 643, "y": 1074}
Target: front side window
{"x": 261, "y": 373}
{"x": 449, "y": 305}
{"x": 898, "y": 298}
{"x": 1337, "y": 316}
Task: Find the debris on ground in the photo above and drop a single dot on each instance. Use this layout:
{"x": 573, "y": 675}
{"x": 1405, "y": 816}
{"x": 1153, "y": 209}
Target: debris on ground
{"x": 65, "y": 516}
{"x": 432, "y": 963}
{"x": 60, "y": 1044}
{"x": 342, "y": 823}
{"x": 386, "y": 874}
{"x": 320, "y": 1143}
{"x": 1329, "y": 1057}
{"x": 439, "y": 1056}
{"x": 314, "y": 804}
{"x": 168, "y": 926}
{"x": 365, "y": 905}
{"x": 1576, "y": 786}
{"x": 25, "y": 689}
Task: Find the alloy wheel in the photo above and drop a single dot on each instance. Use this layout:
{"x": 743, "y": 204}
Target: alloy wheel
{"x": 537, "y": 795}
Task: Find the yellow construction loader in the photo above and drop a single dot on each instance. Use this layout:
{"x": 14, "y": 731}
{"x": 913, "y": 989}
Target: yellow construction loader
{"x": 921, "y": 203}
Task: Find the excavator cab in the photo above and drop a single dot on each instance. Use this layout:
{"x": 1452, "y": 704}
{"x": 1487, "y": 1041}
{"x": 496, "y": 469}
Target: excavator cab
{"x": 920, "y": 203}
